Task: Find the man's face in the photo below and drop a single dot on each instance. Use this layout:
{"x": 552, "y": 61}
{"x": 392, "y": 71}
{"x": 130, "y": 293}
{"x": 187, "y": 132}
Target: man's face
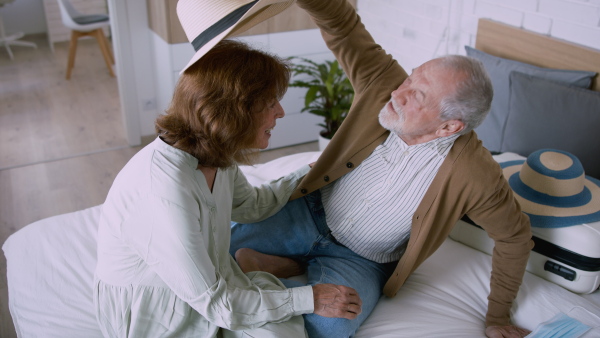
{"x": 414, "y": 108}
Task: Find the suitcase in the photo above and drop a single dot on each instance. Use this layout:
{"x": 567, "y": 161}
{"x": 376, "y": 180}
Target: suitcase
{"x": 568, "y": 256}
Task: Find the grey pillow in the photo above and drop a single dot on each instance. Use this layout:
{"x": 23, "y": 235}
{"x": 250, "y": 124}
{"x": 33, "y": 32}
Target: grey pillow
{"x": 491, "y": 130}
{"x": 547, "y": 114}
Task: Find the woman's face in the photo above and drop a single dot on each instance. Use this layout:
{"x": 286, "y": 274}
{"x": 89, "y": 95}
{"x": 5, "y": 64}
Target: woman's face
{"x": 271, "y": 113}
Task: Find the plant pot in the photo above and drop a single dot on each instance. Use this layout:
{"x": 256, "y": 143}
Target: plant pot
{"x": 323, "y": 142}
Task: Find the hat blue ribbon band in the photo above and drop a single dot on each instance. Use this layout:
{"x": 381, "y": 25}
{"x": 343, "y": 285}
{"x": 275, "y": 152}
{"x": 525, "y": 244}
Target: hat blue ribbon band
{"x": 220, "y": 26}
{"x": 582, "y": 198}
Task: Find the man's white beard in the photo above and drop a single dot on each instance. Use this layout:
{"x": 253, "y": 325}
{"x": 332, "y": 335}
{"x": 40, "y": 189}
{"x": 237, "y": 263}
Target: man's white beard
{"x": 392, "y": 121}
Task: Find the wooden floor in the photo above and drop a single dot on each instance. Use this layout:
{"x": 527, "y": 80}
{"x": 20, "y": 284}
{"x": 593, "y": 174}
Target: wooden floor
{"x": 61, "y": 142}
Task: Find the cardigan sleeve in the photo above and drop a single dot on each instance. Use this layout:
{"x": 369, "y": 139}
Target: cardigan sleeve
{"x": 500, "y": 215}
{"x": 374, "y": 75}
{"x": 360, "y": 56}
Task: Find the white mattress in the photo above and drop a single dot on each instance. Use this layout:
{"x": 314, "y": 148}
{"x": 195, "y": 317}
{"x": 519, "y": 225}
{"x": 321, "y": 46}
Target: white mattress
{"x": 51, "y": 264}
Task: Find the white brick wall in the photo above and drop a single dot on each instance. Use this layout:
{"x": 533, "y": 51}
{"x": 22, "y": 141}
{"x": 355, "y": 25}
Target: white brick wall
{"x": 415, "y": 31}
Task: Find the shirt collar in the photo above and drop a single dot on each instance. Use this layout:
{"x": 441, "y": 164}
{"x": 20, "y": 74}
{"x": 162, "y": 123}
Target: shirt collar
{"x": 175, "y": 153}
{"x": 442, "y": 144}
{"x": 394, "y": 143}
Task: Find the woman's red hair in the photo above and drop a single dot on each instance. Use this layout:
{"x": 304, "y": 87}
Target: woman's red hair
{"x": 216, "y": 109}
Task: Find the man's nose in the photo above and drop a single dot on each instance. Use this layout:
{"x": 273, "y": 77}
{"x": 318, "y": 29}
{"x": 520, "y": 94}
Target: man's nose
{"x": 399, "y": 96}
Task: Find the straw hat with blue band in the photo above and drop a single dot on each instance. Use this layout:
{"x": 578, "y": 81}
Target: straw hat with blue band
{"x": 552, "y": 189}
{"x": 206, "y": 22}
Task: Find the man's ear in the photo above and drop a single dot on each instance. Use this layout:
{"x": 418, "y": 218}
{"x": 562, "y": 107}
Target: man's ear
{"x": 450, "y": 127}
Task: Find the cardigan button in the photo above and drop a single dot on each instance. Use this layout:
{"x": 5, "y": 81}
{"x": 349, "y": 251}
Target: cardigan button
{"x": 349, "y": 165}
{"x": 326, "y": 178}
{"x": 304, "y": 191}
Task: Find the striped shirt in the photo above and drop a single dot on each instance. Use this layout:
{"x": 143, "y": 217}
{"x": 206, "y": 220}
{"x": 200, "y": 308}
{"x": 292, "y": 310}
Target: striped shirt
{"x": 370, "y": 209}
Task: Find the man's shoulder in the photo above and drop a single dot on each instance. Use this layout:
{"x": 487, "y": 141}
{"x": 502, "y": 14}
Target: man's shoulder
{"x": 470, "y": 156}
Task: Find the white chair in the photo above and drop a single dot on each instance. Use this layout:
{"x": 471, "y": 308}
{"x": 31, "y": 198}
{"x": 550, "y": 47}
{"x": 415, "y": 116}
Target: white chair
{"x": 85, "y": 25}
{"x": 11, "y": 40}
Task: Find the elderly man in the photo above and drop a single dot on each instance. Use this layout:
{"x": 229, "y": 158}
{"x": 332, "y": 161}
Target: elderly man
{"x": 385, "y": 194}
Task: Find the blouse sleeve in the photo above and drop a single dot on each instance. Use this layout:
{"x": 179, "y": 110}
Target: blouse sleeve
{"x": 176, "y": 245}
{"x": 253, "y": 204}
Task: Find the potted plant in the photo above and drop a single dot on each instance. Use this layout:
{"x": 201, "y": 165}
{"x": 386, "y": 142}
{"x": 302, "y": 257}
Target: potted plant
{"x": 329, "y": 93}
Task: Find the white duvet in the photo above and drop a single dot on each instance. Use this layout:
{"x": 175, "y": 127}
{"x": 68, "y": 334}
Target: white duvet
{"x": 50, "y": 266}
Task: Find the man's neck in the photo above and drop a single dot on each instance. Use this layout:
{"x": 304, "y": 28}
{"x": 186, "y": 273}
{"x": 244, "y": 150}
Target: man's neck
{"x": 411, "y": 141}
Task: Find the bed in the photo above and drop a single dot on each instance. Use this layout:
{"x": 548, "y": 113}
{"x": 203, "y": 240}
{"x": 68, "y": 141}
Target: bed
{"x": 50, "y": 263}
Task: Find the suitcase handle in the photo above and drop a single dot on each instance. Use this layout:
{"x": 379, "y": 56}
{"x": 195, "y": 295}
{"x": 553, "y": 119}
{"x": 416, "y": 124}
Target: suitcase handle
{"x": 560, "y": 270}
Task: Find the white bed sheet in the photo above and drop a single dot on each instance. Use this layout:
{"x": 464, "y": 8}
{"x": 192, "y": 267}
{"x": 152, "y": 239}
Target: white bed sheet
{"x": 50, "y": 266}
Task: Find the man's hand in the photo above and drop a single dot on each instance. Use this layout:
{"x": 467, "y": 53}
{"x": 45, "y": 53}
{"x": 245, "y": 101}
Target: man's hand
{"x": 336, "y": 301}
{"x": 508, "y": 331}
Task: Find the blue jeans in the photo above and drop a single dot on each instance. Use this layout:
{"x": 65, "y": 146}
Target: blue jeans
{"x": 299, "y": 231}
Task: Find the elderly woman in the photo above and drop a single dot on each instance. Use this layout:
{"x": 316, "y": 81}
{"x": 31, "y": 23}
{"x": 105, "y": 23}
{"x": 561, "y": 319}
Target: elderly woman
{"x": 163, "y": 262}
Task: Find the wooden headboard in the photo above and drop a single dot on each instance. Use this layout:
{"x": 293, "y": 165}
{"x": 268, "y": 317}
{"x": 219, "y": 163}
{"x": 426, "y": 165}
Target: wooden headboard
{"x": 540, "y": 50}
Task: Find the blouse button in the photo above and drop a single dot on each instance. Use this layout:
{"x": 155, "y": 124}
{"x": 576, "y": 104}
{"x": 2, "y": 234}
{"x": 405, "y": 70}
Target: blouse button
{"x": 304, "y": 191}
{"x": 326, "y": 178}
{"x": 349, "y": 165}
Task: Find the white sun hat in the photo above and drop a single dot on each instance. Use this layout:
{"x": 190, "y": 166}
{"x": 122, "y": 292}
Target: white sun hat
{"x": 206, "y": 22}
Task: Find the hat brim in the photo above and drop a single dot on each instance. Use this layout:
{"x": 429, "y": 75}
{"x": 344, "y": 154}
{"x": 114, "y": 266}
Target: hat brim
{"x": 261, "y": 11}
{"x": 547, "y": 215}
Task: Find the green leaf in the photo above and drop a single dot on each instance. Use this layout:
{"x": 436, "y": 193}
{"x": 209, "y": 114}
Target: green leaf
{"x": 311, "y": 95}
{"x": 329, "y": 92}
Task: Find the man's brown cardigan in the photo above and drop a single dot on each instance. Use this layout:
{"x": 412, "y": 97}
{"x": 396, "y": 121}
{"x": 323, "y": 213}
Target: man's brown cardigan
{"x": 469, "y": 182}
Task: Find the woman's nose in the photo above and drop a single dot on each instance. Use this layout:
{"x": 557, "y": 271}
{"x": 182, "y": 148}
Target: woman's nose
{"x": 279, "y": 112}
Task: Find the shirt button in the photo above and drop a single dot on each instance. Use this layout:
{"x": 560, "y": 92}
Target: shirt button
{"x": 326, "y": 178}
{"x": 405, "y": 153}
{"x": 349, "y": 165}
{"x": 304, "y": 191}
{"x": 212, "y": 209}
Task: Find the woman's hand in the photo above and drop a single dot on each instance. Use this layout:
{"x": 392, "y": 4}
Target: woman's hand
{"x": 336, "y": 301}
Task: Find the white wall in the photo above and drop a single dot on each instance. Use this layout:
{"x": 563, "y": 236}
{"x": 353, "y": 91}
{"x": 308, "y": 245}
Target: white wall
{"x": 415, "y": 31}
{"x": 135, "y": 65}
